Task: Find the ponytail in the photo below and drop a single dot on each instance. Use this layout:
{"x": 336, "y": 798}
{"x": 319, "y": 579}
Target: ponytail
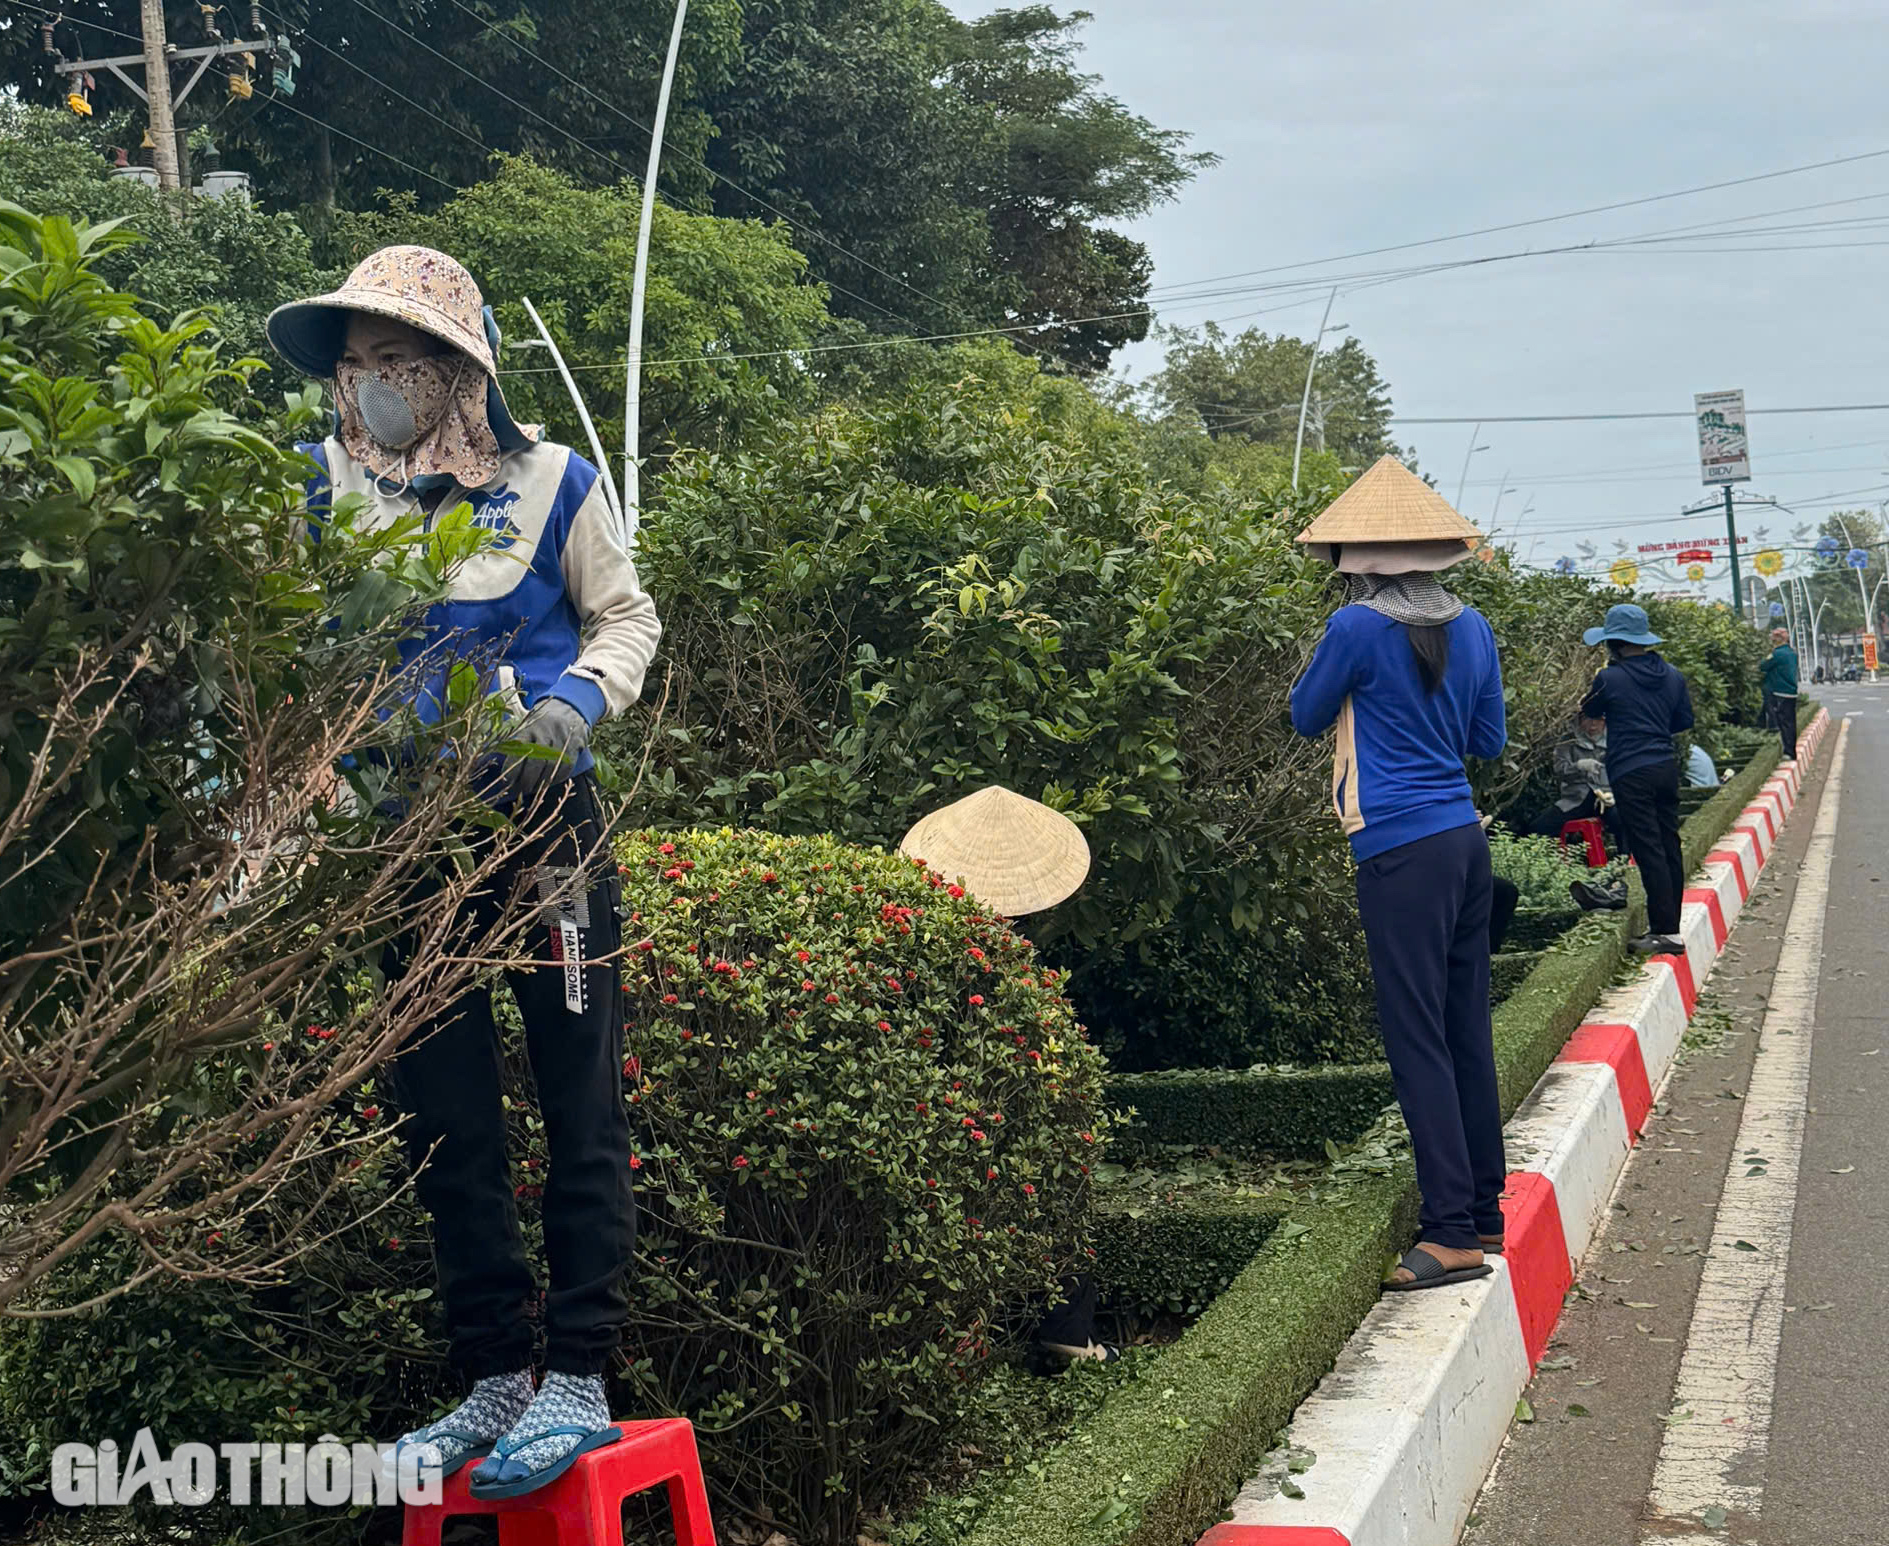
{"x": 1430, "y": 643}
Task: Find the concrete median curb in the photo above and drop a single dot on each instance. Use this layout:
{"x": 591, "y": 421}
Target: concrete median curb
{"x": 1407, "y": 1424}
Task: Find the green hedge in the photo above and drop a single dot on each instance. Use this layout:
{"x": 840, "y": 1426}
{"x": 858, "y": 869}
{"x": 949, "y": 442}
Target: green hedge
{"x": 1163, "y": 1454}
{"x": 1246, "y": 1110}
{"x": 1536, "y": 928}
{"x": 1177, "y": 1258}
{"x": 1508, "y": 971}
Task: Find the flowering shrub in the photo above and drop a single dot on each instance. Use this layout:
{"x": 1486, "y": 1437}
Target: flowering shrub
{"x": 866, "y": 1120}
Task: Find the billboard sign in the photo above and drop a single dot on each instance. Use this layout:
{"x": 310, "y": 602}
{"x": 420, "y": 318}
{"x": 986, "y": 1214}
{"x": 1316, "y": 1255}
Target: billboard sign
{"x": 1724, "y": 452}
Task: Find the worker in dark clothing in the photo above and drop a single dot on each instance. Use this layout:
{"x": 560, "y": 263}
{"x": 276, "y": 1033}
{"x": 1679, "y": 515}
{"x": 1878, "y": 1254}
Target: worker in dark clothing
{"x": 1646, "y": 703}
{"x": 1780, "y": 687}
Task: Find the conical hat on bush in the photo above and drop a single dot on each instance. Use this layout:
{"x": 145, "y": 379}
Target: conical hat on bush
{"x": 1015, "y": 855}
{"x": 1390, "y": 503}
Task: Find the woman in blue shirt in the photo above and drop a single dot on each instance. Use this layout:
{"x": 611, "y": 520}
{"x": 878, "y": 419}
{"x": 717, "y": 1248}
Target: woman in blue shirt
{"x": 1409, "y": 676}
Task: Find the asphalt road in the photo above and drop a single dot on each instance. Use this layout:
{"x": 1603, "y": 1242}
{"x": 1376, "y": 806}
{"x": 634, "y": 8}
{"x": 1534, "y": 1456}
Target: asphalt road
{"x": 1582, "y": 1471}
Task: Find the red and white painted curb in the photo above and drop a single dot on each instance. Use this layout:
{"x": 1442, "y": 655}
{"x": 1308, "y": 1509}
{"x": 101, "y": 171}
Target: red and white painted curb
{"x": 1407, "y": 1425}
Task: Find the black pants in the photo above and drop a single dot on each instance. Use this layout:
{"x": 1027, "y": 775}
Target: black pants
{"x": 1550, "y": 822}
{"x": 1504, "y": 897}
{"x": 1784, "y": 716}
{"x": 1648, "y": 802}
{"x": 1071, "y": 1322}
{"x": 448, "y": 1080}
{"x": 1426, "y": 908}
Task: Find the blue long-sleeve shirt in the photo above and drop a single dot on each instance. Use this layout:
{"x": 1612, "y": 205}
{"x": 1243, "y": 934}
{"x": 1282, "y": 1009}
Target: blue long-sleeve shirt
{"x": 1397, "y": 772}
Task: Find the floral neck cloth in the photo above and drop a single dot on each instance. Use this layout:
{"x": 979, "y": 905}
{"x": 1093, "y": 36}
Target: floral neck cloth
{"x": 445, "y": 394}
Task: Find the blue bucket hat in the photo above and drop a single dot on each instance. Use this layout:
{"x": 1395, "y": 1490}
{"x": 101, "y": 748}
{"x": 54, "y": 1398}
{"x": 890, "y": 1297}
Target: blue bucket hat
{"x": 1625, "y": 622}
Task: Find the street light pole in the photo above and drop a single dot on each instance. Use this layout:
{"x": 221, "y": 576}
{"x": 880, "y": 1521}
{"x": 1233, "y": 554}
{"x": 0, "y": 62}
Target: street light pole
{"x": 1498, "y": 501}
{"x": 639, "y": 287}
{"x": 1305, "y": 402}
{"x": 1463, "y": 482}
{"x": 1862, "y": 590}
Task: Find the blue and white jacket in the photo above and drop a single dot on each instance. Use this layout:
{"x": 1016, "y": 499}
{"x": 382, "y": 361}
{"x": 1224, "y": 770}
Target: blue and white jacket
{"x": 555, "y": 593}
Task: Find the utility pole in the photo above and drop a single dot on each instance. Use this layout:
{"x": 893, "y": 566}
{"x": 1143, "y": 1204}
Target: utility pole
{"x": 155, "y": 64}
{"x": 157, "y": 95}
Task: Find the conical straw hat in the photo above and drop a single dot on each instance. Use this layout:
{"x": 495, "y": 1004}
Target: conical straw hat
{"x": 1015, "y": 855}
{"x": 1390, "y": 503}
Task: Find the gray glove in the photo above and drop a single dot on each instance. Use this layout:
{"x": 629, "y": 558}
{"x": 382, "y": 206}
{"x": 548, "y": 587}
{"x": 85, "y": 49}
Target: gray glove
{"x": 558, "y": 726}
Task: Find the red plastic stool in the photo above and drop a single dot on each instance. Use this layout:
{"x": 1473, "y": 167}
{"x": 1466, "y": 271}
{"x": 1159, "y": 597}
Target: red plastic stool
{"x": 1588, "y": 828}
{"x": 584, "y": 1506}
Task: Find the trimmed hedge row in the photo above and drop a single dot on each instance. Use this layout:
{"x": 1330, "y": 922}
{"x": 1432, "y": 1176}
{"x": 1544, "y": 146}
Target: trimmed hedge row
{"x": 1177, "y": 1258}
{"x": 1281, "y": 1110}
{"x": 1247, "y": 1110}
{"x": 1509, "y": 971}
{"x": 1174, "y": 1444}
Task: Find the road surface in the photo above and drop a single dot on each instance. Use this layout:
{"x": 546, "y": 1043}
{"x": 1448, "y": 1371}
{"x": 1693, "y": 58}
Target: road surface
{"x": 1722, "y": 1371}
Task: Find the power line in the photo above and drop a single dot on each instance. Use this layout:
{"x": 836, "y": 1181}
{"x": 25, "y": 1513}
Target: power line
{"x": 1578, "y": 418}
{"x": 1573, "y": 214}
{"x": 861, "y": 343}
{"x": 78, "y": 21}
{"x": 369, "y": 75}
{"x": 275, "y": 100}
{"x": 584, "y": 144}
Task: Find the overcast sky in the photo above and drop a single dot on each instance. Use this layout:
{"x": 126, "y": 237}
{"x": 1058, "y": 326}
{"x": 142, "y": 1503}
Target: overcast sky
{"x": 1355, "y": 124}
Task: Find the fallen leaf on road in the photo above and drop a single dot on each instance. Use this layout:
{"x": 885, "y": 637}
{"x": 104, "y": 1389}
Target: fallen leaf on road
{"x": 1844, "y": 1171}
{"x": 1577, "y": 1411}
{"x": 1713, "y": 1518}
{"x": 1743, "y": 1245}
{"x": 1524, "y": 1413}
{"x": 1639, "y": 1304}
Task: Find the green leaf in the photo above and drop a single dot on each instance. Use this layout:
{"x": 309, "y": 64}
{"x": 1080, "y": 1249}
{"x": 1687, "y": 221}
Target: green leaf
{"x": 1108, "y": 1513}
{"x": 1714, "y": 1517}
{"x": 79, "y": 472}
{"x": 1524, "y": 1413}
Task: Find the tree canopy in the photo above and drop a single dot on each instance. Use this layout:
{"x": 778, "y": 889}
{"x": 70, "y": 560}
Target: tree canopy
{"x": 1250, "y": 385}
{"x": 940, "y": 175}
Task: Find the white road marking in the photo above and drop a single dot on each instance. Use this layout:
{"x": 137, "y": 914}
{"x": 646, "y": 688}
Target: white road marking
{"x": 1713, "y": 1455}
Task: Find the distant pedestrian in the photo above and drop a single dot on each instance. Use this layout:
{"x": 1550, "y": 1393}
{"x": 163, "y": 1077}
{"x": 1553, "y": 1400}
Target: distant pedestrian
{"x": 1409, "y": 676}
{"x": 1780, "y": 685}
{"x": 1646, "y": 703}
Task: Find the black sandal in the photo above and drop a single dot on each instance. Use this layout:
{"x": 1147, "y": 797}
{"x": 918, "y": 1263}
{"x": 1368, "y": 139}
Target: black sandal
{"x": 1427, "y": 1272}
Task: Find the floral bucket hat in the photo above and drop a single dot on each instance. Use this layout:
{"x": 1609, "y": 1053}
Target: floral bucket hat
{"x": 434, "y": 293}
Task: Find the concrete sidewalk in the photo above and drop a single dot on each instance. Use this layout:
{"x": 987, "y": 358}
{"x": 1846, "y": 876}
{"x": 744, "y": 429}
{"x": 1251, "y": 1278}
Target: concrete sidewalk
{"x": 1797, "y": 1463}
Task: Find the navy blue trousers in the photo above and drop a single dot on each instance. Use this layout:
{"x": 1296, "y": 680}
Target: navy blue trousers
{"x": 1425, "y": 908}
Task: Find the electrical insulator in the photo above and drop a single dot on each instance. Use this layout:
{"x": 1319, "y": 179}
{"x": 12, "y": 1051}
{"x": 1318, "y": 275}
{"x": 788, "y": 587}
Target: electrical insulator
{"x": 255, "y": 19}
{"x": 76, "y": 101}
{"x": 209, "y": 23}
{"x": 45, "y": 37}
{"x": 240, "y": 89}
